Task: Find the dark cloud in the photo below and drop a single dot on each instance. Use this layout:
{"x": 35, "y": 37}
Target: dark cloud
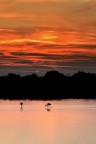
{"x": 62, "y": 46}
{"x": 1, "y": 53}
{"x": 27, "y": 62}
{"x": 86, "y": 46}
{"x": 4, "y": 57}
{"x": 56, "y": 56}
{"x": 39, "y": 45}
{"x": 33, "y": 54}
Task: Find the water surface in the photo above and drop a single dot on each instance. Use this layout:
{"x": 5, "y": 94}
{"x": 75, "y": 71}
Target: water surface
{"x": 65, "y": 122}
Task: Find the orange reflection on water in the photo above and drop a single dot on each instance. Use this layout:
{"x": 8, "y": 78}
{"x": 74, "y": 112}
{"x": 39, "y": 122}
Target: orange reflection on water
{"x": 69, "y": 121}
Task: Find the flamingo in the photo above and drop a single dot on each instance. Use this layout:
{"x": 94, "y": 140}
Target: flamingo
{"x": 48, "y": 104}
{"x": 21, "y": 104}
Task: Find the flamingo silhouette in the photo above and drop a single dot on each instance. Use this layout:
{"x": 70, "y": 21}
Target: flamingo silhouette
{"x": 21, "y": 105}
{"x": 48, "y": 104}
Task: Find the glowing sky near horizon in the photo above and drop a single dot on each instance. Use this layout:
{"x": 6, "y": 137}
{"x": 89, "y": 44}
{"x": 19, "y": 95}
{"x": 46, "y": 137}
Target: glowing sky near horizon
{"x": 42, "y": 35}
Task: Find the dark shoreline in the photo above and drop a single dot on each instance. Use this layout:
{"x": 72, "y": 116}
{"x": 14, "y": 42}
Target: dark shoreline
{"x": 52, "y": 86}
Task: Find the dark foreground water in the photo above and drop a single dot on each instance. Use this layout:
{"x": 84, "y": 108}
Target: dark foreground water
{"x": 65, "y": 122}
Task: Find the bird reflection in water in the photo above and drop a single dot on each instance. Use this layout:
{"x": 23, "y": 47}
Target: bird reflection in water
{"x": 48, "y": 109}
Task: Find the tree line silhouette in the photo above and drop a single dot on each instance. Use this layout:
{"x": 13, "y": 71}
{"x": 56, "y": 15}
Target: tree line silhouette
{"x": 53, "y": 85}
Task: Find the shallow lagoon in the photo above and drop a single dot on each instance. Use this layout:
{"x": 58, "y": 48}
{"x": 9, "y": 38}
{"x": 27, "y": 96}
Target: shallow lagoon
{"x": 65, "y": 122}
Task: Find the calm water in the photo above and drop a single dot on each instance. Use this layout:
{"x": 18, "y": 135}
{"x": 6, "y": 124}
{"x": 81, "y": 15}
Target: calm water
{"x": 67, "y": 122}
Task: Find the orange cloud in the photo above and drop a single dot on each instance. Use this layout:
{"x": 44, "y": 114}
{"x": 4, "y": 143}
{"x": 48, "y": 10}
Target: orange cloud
{"x": 47, "y": 48}
{"x": 5, "y": 15}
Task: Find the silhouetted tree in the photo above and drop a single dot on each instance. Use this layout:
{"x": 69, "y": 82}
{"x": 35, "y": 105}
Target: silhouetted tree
{"x": 54, "y": 85}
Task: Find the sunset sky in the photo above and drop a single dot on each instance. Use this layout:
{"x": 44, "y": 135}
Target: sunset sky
{"x": 43, "y": 35}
